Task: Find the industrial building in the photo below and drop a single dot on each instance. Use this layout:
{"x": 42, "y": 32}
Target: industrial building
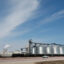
{"x": 36, "y": 49}
{"x": 52, "y": 49}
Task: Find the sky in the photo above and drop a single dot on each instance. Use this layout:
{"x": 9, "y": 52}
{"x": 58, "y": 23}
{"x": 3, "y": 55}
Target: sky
{"x": 39, "y": 20}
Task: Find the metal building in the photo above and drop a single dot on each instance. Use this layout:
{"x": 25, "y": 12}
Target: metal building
{"x": 45, "y": 49}
{"x": 49, "y": 49}
{"x": 34, "y": 50}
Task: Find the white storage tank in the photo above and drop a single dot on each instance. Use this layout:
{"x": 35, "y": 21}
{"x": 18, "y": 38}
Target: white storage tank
{"x": 7, "y": 54}
{"x": 56, "y": 49}
{"x": 34, "y": 50}
{"x": 48, "y": 49}
{"x": 61, "y": 50}
{"x": 41, "y": 49}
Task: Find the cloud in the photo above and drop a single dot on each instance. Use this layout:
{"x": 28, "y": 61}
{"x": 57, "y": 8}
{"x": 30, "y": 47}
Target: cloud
{"x": 19, "y": 33}
{"x": 60, "y": 13}
{"x": 20, "y": 12}
{"x": 53, "y": 17}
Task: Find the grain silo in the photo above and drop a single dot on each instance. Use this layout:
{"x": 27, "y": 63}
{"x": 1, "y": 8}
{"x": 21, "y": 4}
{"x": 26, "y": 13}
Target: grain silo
{"x": 41, "y": 49}
{"x": 49, "y": 49}
{"x": 56, "y": 49}
{"x": 34, "y": 50}
{"x": 61, "y": 50}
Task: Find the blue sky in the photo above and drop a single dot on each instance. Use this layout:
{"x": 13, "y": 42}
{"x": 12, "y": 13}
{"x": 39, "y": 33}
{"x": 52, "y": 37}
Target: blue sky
{"x": 39, "y": 20}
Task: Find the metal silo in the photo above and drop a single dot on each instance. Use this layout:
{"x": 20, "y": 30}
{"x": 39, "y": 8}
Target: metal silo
{"x": 37, "y": 48}
{"x": 34, "y": 50}
{"x": 49, "y": 49}
{"x": 56, "y": 49}
{"x": 41, "y": 49}
{"x": 61, "y": 50}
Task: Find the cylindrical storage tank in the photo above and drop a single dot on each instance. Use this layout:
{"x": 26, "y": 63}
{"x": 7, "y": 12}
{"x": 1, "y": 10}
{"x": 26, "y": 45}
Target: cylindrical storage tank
{"x": 44, "y": 49}
{"x": 37, "y": 49}
{"x": 40, "y": 49}
{"x": 56, "y": 49}
{"x": 48, "y": 49}
{"x": 61, "y": 50}
{"x": 34, "y": 50}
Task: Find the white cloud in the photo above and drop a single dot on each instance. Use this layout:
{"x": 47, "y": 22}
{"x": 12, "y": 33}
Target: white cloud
{"x": 19, "y": 33}
{"x": 60, "y": 13}
{"x": 20, "y": 12}
{"x": 53, "y": 17}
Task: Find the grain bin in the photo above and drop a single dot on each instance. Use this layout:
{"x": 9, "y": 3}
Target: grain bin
{"x": 41, "y": 49}
{"x": 61, "y": 50}
{"x": 34, "y": 50}
{"x": 56, "y": 49}
{"x": 37, "y": 48}
{"x": 49, "y": 49}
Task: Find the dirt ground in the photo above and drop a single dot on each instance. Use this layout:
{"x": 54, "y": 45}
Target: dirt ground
{"x": 32, "y": 60}
{"x": 51, "y": 62}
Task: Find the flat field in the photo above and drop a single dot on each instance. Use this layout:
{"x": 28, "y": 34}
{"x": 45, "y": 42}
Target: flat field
{"x": 32, "y": 60}
{"x": 51, "y": 62}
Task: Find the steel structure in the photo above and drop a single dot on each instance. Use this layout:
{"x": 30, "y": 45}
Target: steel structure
{"x": 45, "y": 49}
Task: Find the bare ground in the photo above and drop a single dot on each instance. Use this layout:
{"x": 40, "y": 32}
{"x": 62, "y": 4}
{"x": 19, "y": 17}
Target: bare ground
{"x": 51, "y": 62}
{"x": 32, "y": 60}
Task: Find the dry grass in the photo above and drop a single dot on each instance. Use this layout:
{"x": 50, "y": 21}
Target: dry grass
{"x": 51, "y": 62}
